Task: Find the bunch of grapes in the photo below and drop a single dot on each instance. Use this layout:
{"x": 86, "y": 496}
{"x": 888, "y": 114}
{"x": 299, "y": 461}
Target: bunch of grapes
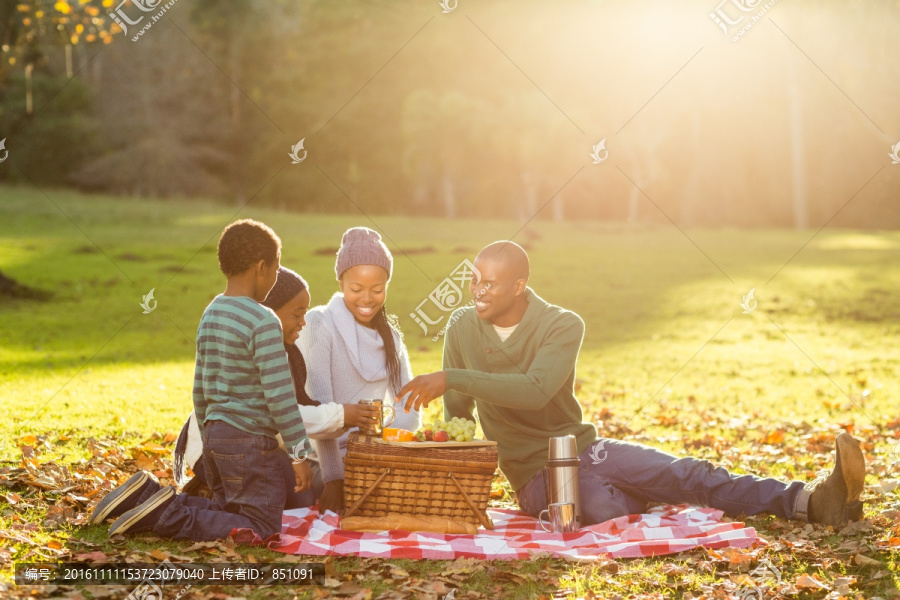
{"x": 458, "y": 430}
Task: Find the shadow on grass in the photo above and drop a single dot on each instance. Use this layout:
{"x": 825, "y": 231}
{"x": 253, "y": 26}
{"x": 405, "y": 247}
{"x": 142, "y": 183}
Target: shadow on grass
{"x": 10, "y": 288}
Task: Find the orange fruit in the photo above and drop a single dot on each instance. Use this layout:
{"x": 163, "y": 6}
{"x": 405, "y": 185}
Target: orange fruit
{"x": 392, "y": 434}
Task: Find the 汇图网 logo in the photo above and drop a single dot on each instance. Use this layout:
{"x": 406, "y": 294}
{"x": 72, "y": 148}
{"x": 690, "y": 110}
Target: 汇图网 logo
{"x": 448, "y": 295}
{"x": 148, "y": 298}
{"x": 596, "y": 153}
{"x": 295, "y": 153}
{"x": 748, "y": 304}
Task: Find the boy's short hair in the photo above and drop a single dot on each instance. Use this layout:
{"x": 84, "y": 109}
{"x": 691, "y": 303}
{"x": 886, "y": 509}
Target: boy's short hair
{"x": 245, "y": 243}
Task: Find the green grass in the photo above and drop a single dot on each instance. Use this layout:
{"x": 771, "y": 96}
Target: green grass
{"x": 669, "y": 357}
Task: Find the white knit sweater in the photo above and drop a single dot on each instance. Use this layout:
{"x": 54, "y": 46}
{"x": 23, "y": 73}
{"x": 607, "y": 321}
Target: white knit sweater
{"x": 345, "y": 364}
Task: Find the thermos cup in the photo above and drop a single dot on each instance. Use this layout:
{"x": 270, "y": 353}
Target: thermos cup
{"x": 561, "y": 517}
{"x": 562, "y": 473}
{"x": 377, "y": 427}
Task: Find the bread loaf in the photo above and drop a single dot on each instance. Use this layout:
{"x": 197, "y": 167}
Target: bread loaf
{"x": 405, "y": 522}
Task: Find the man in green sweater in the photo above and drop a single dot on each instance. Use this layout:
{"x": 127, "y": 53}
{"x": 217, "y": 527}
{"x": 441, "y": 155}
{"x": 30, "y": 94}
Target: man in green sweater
{"x": 512, "y": 357}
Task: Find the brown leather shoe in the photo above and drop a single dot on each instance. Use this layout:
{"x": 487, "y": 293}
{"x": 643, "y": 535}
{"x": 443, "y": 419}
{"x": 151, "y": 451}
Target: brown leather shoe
{"x": 835, "y": 500}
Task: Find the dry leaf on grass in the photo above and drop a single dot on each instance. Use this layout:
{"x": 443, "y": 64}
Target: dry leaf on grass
{"x": 842, "y": 585}
{"x": 93, "y": 557}
{"x": 864, "y": 561}
{"x": 810, "y": 582}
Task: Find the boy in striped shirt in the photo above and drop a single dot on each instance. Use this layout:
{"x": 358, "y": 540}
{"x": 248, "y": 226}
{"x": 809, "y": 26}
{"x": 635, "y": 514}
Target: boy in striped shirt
{"x": 243, "y": 397}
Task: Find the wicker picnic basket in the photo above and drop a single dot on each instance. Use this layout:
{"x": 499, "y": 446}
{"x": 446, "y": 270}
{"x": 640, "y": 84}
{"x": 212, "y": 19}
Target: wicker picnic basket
{"x": 452, "y": 482}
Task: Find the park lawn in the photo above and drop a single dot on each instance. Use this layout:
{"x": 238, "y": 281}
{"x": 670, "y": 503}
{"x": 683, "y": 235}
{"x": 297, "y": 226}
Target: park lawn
{"x": 669, "y": 358}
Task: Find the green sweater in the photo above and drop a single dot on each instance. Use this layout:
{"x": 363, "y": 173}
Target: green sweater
{"x": 242, "y": 374}
{"x": 523, "y": 388}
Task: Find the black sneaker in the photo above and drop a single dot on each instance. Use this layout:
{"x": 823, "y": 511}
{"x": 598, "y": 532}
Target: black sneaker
{"x": 124, "y": 498}
{"x": 145, "y": 516}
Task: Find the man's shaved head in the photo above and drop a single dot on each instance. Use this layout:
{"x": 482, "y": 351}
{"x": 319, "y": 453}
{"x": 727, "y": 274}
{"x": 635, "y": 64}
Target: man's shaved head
{"x": 510, "y": 255}
{"x": 499, "y": 288}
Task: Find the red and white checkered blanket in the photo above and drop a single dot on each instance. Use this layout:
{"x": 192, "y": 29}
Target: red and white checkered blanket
{"x": 516, "y": 535}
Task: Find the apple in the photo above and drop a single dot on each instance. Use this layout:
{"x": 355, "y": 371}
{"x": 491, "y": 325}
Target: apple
{"x": 441, "y": 436}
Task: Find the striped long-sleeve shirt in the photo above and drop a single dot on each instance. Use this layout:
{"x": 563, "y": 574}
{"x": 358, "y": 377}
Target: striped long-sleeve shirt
{"x": 242, "y": 376}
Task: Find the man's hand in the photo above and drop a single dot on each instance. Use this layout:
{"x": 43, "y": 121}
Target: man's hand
{"x": 303, "y": 475}
{"x": 423, "y": 389}
{"x": 332, "y": 497}
{"x": 360, "y": 415}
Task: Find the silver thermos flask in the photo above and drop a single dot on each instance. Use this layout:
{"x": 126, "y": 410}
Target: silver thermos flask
{"x": 562, "y": 473}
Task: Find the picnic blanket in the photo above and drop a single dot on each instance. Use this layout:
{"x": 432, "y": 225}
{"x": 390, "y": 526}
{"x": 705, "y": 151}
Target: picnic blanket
{"x": 516, "y": 535}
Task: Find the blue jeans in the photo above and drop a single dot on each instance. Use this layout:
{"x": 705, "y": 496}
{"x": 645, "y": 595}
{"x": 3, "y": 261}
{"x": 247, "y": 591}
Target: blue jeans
{"x": 244, "y": 472}
{"x": 293, "y": 499}
{"x": 623, "y": 478}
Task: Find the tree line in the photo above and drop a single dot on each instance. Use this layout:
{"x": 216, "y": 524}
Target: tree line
{"x": 492, "y": 113}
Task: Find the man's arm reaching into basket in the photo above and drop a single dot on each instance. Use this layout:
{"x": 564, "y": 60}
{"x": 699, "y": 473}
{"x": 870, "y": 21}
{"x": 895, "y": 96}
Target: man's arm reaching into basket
{"x": 531, "y": 389}
{"x": 456, "y": 404}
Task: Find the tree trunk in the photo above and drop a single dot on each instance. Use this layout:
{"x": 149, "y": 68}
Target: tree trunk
{"x": 29, "y": 98}
{"x": 7, "y": 25}
{"x": 237, "y": 144}
{"x": 69, "y": 69}
{"x": 529, "y": 185}
{"x": 449, "y": 196}
{"x": 691, "y": 195}
{"x": 558, "y": 214}
{"x": 96, "y": 71}
{"x": 634, "y": 199}
{"x": 798, "y": 174}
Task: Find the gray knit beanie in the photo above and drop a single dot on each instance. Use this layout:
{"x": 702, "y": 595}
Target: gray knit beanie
{"x": 287, "y": 286}
{"x": 362, "y": 246}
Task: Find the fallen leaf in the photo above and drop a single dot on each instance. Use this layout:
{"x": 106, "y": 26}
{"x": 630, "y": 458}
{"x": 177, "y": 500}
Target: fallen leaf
{"x": 737, "y": 558}
{"x": 673, "y": 570}
{"x": 159, "y": 554}
{"x": 811, "y": 582}
{"x": 864, "y": 561}
{"x": 885, "y": 486}
{"x": 348, "y": 588}
{"x": 96, "y": 556}
{"x": 199, "y": 545}
{"x": 842, "y": 585}
{"x": 397, "y": 572}
{"x": 44, "y": 482}
{"x": 774, "y": 437}
{"x": 183, "y": 559}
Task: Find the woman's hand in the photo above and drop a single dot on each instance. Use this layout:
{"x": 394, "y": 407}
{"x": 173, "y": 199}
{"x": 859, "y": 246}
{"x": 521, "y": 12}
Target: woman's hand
{"x": 332, "y": 497}
{"x": 360, "y": 415}
{"x": 303, "y": 475}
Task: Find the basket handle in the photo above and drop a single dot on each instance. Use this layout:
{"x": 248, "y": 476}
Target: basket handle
{"x": 366, "y": 494}
{"x": 483, "y": 519}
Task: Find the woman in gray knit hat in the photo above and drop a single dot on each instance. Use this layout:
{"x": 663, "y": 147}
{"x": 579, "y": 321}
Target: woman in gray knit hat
{"x": 354, "y": 349}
